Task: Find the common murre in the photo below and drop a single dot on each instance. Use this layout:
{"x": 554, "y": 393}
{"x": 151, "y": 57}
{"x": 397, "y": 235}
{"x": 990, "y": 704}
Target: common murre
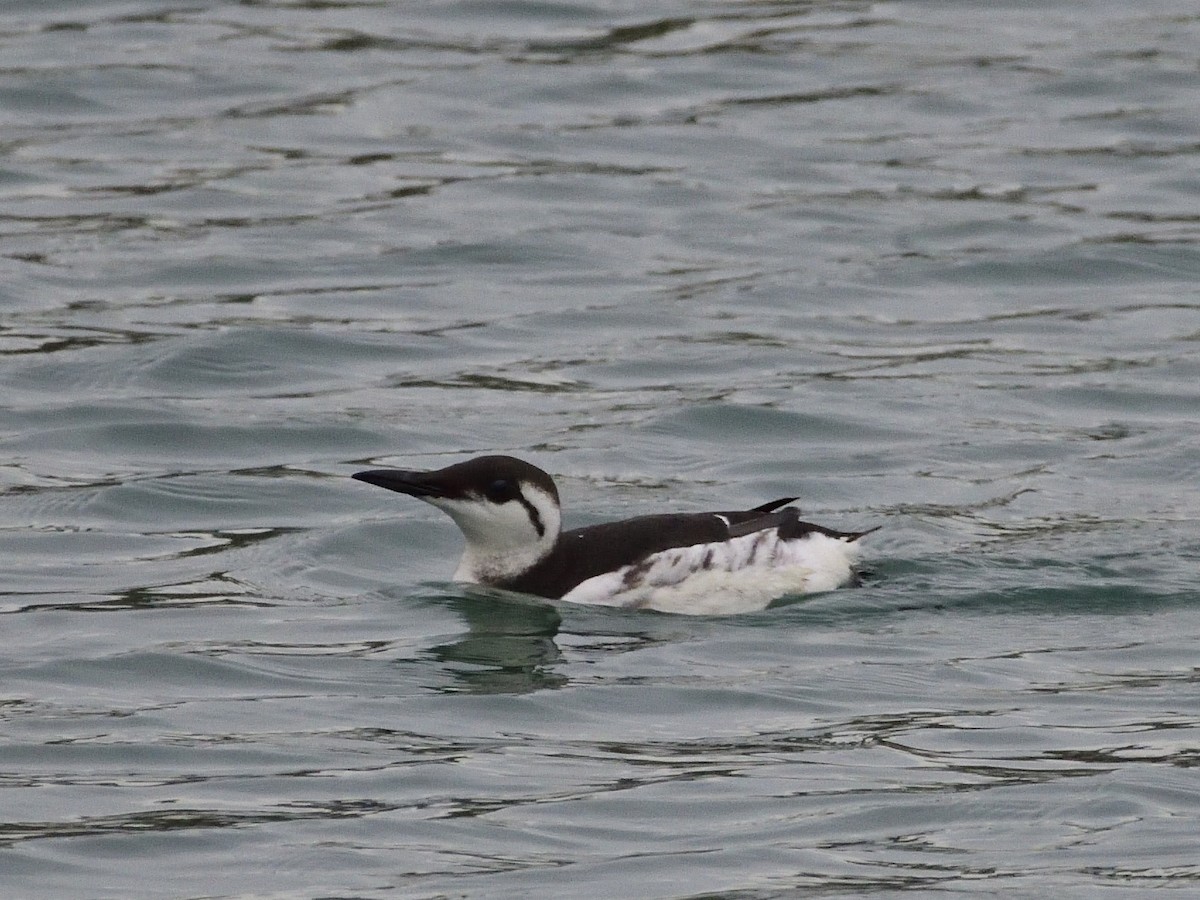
{"x": 699, "y": 563}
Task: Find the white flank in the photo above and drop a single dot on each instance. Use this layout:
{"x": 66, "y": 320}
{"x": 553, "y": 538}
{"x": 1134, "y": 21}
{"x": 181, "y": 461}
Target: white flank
{"x": 741, "y": 575}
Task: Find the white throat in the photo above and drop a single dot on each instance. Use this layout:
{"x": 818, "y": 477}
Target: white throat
{"x": 503, "y": 539}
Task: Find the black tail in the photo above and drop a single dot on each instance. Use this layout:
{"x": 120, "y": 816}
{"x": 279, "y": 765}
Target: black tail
{"x": 793, "y": 528}
{"x": 852, "y": 536}
{"x": 774, "y": 504}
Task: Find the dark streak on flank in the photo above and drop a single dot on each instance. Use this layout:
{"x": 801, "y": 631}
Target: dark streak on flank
{"x": 635, "y": 574}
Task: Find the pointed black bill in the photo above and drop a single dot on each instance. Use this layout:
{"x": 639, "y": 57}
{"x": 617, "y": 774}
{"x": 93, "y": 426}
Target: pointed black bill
{"x": 403, "y": 481}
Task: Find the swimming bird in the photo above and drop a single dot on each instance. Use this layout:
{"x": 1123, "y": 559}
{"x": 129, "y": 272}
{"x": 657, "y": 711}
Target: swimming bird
{"x": 701, "y": 563}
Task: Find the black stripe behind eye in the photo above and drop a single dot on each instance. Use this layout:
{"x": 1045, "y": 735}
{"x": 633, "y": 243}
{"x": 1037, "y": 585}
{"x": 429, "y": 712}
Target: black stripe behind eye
{"x": 534, "y": 516}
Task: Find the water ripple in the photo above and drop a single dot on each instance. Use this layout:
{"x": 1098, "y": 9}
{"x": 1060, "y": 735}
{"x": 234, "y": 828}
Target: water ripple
{"x": 930, "y": 271}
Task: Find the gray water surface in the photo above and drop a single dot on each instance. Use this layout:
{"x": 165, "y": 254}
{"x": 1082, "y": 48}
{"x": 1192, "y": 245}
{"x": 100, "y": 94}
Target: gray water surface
{"x": 928, "y": 266}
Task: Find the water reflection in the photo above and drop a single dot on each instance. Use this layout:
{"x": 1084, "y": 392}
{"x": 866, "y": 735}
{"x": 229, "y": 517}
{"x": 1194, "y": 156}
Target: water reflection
{"x": 509, "y": 647}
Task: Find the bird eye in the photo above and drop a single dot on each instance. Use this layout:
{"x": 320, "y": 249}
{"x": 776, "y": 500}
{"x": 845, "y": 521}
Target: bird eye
{"x": 500, "y": 491}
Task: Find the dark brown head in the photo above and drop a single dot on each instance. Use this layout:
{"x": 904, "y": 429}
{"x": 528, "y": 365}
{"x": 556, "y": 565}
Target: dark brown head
{"x": 506, "y": 508}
